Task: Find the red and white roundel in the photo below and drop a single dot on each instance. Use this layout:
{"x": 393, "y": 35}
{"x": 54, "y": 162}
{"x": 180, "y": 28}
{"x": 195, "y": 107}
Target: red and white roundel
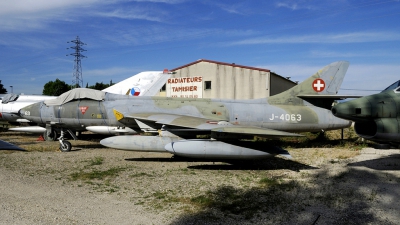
{"x": 318, "y": 85}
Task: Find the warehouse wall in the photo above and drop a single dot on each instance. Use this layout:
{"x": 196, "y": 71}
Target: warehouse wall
{"x": 228, "y": 82}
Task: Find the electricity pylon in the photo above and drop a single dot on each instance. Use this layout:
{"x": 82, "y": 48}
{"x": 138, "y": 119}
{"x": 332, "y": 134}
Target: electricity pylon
{"x": 77, "y": 80}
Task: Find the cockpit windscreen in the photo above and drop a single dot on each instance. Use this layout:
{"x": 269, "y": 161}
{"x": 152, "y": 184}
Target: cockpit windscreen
{"x": 393, "y": 86}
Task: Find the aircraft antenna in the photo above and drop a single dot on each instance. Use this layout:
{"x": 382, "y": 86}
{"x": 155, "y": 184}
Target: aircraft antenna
{"x": 77, "y": 79}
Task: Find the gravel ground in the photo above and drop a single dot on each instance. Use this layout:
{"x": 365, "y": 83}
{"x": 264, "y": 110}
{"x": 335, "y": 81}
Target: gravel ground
{"x": 96, "y": 185}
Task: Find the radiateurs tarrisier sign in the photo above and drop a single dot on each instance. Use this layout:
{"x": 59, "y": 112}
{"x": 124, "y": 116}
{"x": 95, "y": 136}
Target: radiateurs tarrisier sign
{"x": 185, "y": 87}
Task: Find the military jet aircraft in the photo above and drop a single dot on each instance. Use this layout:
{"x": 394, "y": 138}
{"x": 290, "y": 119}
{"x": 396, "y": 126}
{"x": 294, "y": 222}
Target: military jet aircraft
{"x": 142, "y": 84}
{"x": 10, "y": 104}
{"x": 376, "y": 117}
{"x": 178, "y": 120}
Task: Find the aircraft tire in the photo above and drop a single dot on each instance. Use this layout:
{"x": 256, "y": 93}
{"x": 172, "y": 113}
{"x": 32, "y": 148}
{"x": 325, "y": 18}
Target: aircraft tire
{"x": 381, "y": 146}
{"x": 65, "y": 146}
{"x": 53, "y": 136}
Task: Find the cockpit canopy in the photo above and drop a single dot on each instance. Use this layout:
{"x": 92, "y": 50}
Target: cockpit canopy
{"x": 75, "y": 94}
{"x": 9, "y": 98}
{"x": 395, "y": 85}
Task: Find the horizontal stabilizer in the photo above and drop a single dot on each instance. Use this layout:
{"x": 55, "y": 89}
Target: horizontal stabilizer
{"x": 334, "y": 97}
{"x": 325, "y": 101}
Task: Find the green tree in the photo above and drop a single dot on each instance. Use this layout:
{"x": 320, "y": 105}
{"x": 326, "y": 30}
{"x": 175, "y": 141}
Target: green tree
{"x": 55, "y": 88}
{"x": 2, "y": 89}
{"x": 99, "y": 86}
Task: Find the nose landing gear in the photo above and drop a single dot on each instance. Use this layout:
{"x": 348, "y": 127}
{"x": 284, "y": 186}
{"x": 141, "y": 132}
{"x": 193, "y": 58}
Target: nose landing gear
{"x": 65, "y": 146}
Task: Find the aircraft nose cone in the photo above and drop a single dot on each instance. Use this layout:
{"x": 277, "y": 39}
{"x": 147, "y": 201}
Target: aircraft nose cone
{"x": 22, "y": 112}
{"x": 31, "y": 112}
{"x": 337, "y": 109}
{"x": 342, "y": 110}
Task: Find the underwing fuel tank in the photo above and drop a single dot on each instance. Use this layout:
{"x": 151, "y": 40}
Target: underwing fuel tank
{"x": 212, "y": 149}
{"x": 138, "y": 143}
{"x": 30, "y": 129}
{"x": 196, "y": 148}
{"x": 110, "y": 130}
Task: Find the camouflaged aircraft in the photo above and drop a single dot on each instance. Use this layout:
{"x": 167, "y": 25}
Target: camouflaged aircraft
{"x": 376, "y": 117}
{"x": 182, "y": 123}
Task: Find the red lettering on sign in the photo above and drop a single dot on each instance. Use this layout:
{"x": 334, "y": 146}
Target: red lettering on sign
{"x": 184, "y": 80}
{"x": 186, "y": 88}
{"x": 83, "y": 109}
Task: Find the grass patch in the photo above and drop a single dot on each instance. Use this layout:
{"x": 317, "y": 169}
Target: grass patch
{"x": 96, "y": 174}
{"x": 268, "y": 181}
{"x": 96, "y": 161}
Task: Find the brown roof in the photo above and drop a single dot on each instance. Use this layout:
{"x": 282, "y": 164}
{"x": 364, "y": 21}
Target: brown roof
{"x": 221, "y": 63}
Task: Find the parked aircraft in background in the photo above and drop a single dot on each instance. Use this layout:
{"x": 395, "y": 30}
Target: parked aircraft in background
{"x": 10, "y": 104}
{"x": 376, "y": 117}
{"x": 141, "y": 84}
{"x": 178, "y": 120}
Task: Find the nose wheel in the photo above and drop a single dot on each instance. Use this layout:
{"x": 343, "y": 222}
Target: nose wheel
{"x": 65, "y": 146}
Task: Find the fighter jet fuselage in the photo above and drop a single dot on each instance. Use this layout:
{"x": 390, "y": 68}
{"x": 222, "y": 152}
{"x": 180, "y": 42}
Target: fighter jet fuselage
{"x": 79, "y": 114}
{"x": 376, "y": 117}
{"x": 199, "y": 128}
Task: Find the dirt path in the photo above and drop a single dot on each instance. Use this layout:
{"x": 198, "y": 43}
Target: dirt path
{"x": 105, "y": 186}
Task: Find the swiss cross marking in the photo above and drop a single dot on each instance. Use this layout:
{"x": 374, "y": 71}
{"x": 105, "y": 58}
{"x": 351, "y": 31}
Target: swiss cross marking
{"x": 318, "y": 85}
{"x": 83, "y": 109}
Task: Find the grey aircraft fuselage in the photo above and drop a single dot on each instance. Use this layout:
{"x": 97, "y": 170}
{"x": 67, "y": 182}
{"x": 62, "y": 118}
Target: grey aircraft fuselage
{"x": 79, "y": 114}
{"x": 304, "y": 107}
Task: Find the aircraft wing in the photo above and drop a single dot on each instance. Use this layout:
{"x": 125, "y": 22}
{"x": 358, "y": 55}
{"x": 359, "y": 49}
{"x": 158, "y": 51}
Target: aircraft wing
{"x": 181, "y": 124}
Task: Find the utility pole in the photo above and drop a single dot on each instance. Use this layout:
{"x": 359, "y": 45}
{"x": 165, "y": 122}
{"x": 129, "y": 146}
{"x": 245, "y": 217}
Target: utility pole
{"x": 77, "y": 80}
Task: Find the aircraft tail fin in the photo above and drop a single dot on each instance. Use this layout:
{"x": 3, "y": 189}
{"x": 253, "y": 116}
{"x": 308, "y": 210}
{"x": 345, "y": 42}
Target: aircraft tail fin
{"x": 325, "y": 82}
{"x": 142, "y": 84}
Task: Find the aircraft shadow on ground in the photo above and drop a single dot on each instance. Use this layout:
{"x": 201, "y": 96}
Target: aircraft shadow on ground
{"x": 83, "y": 146}
{"x": 329, "y": 200}
{"x": 7, "y": 149}
{"x": 265, "y": 164}
{"x": 391, "y": 162}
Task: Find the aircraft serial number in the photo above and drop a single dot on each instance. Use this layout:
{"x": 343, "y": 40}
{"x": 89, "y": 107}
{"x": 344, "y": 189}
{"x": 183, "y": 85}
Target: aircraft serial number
{"x": 286, "y": 117}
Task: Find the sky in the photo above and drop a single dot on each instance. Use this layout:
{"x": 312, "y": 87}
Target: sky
{"x": 293, "y": 38}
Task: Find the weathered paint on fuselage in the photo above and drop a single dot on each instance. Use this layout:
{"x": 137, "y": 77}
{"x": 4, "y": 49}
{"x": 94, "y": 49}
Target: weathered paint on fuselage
{"x": 79, "y": 114}
{"x": 376, "y": 117}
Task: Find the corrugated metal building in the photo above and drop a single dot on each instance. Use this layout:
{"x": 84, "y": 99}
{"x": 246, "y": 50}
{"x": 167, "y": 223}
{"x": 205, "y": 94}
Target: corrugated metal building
{"x": 211, "y": 79}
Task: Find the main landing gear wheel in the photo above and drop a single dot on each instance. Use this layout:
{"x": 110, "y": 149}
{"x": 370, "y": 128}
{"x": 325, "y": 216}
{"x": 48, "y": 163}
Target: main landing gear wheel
{"x": 51, "y": 137}
{"x": 65, "y": 146}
